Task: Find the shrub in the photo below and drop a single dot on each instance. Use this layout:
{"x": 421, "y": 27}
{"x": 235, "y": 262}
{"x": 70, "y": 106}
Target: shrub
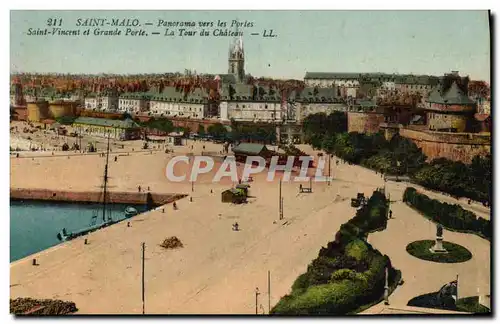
{"x": 471, "y": 305}
{"x": 453, "y": 217}
{"x": 328, "y": 299}
{"x": 357, "y": 249}
{"x": 347, "y": 273}
{"x": 301, "y": 283}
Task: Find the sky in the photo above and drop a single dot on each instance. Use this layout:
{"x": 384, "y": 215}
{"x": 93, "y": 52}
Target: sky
{"x": 419, "y": 42}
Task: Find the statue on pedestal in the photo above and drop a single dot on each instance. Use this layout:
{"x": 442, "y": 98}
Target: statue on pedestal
{"x": 438, "y": 246}
{"x": 439, "y": 231}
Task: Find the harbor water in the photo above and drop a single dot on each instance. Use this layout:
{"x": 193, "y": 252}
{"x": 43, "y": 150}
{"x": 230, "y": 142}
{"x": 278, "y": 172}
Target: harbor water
{"x": 34, "y": 224}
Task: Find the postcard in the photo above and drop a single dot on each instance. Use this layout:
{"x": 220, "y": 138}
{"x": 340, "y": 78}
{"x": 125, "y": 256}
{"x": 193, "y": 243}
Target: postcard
{"x": 283, "y": 163}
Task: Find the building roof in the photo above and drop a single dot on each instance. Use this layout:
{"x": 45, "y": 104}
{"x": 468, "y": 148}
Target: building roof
{"x": 249, "y": 93}
{"x": 175, "y": 134}
{"x": 332, "y": 76}
{"x": 367, "y": 77}
{"x": 126, "y": 124}
{"x": 136, "y": 95}
{"x": 172, "y": 94}
{"x": 453, "y": 96}
{"x": 316, "y": 95}
{"x": 249, "y": 148}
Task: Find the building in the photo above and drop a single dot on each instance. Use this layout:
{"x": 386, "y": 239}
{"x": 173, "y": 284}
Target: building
{"x": 172, "y": 102}
{"x": 16, "y": 94}
{"x": 327, "y": 79}
{"x": 253, "y": 103}
{"x": 103, "y": 101}
{"x": 62, "y": 108}
{"x": 314, "y": 100}
{"x": 37, "y": 110}
{"x": 118, "y": 129}
{"x": 134, "y": 102}
{"x": 416, "y": 84}
{"x": 243, "y": 150}
{"x": 365, "y": 117}
{"x": 174, "y": 138}
{"x": 372, "y": 84}
{"x": 450, "y": 109}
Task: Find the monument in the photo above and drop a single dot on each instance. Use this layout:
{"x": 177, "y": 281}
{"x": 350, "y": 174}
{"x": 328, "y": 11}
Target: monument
{"x": 438, "y": 246}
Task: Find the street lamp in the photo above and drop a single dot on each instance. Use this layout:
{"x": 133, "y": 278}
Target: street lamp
{"x": 257, "y": 293}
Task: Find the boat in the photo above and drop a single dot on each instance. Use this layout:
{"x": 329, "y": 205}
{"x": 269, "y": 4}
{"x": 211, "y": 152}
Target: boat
{"x": 107, "y": 220}
{"x": 130, "y": 211}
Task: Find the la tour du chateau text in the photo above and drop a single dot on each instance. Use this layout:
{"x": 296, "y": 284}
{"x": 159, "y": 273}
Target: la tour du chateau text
{"x": 134, "y": 27}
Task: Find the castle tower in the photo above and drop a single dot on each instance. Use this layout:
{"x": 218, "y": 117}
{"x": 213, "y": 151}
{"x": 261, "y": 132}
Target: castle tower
{"x": 18, "y": 93}
{"x": 236, "y": 60}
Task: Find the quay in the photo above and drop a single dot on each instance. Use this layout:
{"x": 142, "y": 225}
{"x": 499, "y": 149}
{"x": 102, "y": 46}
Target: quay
{"x": 112, "y": 197}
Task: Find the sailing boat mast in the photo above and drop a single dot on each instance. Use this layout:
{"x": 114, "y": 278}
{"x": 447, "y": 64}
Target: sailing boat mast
{"x": 105, "y": 183}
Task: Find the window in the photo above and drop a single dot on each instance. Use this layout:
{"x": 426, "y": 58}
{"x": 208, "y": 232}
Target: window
{"x": 265, "y": 106}
{"x": 243, "y": 106}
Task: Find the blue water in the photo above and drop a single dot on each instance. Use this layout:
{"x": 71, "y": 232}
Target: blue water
{"x": 34, "y": 224}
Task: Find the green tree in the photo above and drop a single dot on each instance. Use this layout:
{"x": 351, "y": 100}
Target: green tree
{"x": 201, "y": 130}
{"x": 126, "y": 115}
{"x": 217, "y": 130}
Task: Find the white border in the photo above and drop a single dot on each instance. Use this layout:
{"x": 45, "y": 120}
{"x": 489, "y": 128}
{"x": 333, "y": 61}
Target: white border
{"x": 187, "y": 4}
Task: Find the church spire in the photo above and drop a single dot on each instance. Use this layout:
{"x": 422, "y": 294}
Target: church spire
{"x": 236, "y": 61}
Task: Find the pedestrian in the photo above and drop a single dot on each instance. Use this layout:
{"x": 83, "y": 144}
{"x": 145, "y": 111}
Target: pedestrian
{"x": 148, "y": 188}
{"x": 390, "y": 213}
{"x": 175, "y": 206}
{"x": 139, "y": 188}
{"x": 116, "y": 158}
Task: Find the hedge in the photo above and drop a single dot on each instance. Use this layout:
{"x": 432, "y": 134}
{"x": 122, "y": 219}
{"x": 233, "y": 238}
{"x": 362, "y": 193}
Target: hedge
{"x": 348, "y": 274}
{"x": 453, "y": 217}
{"x": 468, "y": 304}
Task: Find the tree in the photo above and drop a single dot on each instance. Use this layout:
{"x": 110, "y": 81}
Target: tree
{"x": 126, "y": 115}
{"x": 161, "y": 124}
{"x": 408, "y": 156}
{"x": 201, "y": 130}
{"x": 217, "y": 130}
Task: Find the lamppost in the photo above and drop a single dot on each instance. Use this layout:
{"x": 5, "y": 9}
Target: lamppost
{"x": 257, "y": 293}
